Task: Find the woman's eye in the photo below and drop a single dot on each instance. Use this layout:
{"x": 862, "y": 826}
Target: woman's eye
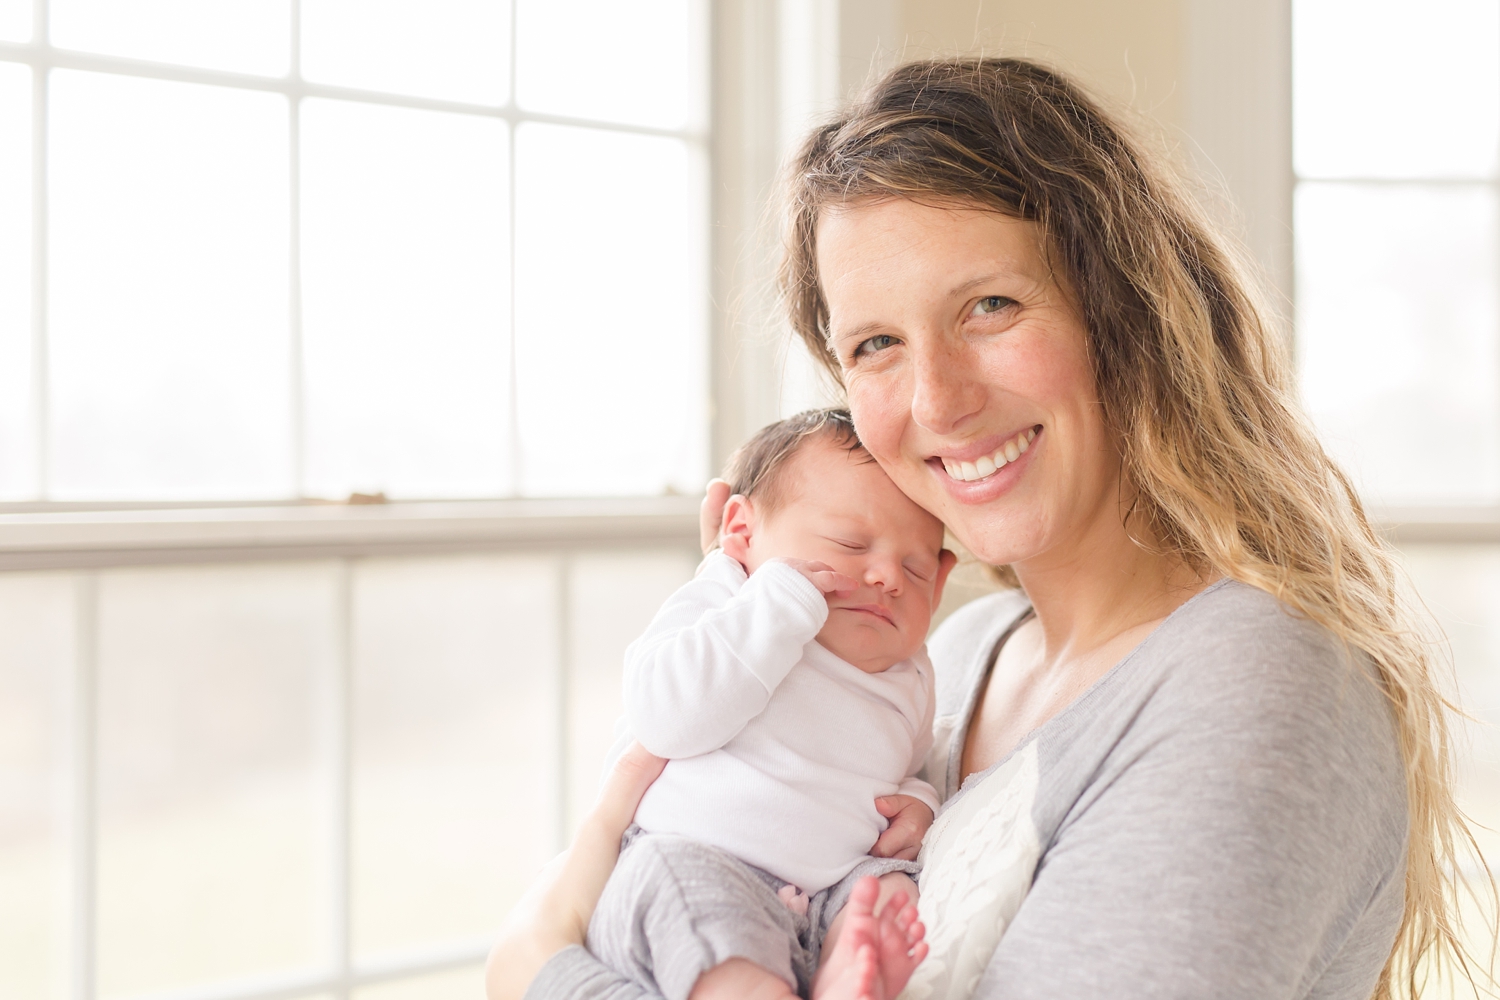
{"x": 991, "y": 304}
{"x": 874, "y": 345}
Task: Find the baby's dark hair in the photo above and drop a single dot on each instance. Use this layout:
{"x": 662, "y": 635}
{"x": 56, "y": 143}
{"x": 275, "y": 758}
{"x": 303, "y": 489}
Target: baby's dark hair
{"x": 755, "y": 469}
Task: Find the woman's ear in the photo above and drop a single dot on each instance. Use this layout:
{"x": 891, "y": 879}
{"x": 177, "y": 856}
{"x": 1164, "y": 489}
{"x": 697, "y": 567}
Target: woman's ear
{"x": 737, "y": 529}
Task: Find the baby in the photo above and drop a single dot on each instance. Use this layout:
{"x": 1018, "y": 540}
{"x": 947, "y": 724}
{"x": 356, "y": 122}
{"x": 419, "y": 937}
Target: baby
{"x": 789, "y": 687}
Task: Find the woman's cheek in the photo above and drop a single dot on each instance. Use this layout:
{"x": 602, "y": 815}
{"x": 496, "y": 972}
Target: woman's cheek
{"x": 881, "y": 414}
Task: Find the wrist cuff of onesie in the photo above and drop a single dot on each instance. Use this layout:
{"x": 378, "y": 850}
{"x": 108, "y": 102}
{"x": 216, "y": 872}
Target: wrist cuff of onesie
{"x": 790, "y": 586}
{"x": 922, "y": 792}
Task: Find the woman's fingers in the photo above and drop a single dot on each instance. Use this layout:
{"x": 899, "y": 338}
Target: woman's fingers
{"x": 595, "y": 849}
{"x": 622, "y": 791}
{"x": 554, "y": 913}
{"x": 711, "y": 513}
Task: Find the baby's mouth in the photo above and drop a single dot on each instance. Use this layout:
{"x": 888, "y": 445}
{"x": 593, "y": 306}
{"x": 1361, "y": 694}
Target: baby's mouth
{"x": 987, "y": 465}
{"x": 877, "y": 610}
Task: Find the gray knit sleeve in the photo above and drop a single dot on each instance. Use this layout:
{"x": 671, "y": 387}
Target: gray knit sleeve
{"x": 574, "y": 974}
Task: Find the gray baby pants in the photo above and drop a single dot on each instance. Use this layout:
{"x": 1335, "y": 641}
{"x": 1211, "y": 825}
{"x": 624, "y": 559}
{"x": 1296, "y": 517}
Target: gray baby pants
{"x": 675, "y": 908}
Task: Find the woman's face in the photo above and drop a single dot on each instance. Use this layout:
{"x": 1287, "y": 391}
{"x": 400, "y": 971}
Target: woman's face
{"x": 968, "y": 375}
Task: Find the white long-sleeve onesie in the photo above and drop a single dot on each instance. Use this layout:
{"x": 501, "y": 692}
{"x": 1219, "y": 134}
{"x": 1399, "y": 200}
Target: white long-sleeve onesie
{"x": 778, "y": 747}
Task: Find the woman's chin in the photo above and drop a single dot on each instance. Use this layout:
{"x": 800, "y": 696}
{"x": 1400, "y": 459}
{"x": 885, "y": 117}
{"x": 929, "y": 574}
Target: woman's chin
{"x": 994, "y": 544}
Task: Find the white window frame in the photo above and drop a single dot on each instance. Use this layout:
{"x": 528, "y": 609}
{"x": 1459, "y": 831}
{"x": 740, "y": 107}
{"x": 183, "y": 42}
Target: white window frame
{"x": 43, "y": 57}
{"x": 1238, "y": 86}
{"x": 85, "y": 542}
{"x": 759, "y": 96}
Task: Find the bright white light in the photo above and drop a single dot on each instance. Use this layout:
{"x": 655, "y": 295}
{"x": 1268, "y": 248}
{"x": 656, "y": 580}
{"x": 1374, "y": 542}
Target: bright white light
{"x": 1396, "y": 321}
{"x": 1383, "y": 88}
{"x": 453, "y": 49}
{"x": 246, "y": 36}
{"x": 406, "y": 320}
{"x": 169, "y": 343}
{"x": 454, "y": 695}
{"x": 210, "y": 859}
{"x": 602, "y": 59}
{"x": 15, "y": 20}
{"x": 609, "y": 312}
{"x": 17, "y": 427}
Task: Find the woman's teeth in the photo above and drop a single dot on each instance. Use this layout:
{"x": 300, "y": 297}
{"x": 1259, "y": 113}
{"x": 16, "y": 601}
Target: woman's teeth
{"x": 988, "y": 465}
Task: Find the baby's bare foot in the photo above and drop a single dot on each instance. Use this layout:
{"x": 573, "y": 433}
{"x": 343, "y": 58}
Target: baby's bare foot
{"x": 901, "y": 946}
{"x": 874, "y": 956}
{"x": 858, "y": 980}
{"x": 858, "y": 930}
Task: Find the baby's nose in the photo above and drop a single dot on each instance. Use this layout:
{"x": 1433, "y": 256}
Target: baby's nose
{"x": 885, "y": 577}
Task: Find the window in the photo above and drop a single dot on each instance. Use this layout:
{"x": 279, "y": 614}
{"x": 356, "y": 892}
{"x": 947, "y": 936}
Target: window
{"x": 262, "y": 250}
{"x": 1396, "y": 128}
{"x": 1396, "y": 132}
{"x": 269, "y": 250}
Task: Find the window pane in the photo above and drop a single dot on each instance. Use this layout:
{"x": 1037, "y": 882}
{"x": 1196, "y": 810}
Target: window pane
{"x": 246, "y": 36}
{"x": 169, "y": 348}
{"x": 211, "y": 794}
{"x": 1388, "y": 89}
{"x": 461, "y": 984}
{"x": 616, "y": 595}
{"x": 15, "y": 20}
{"x": 455, "y": 723}
{"x": 36, "y": 652}
{"x": 17, "y": 429}
{"x": 453, "y": 49}
{"x": 610, "y": 310}
{"x": 405, "y": 324}
{"x": 1396, "y": 321}
{"x": 1461, "y": 586}
{"x": 628, "y": 62}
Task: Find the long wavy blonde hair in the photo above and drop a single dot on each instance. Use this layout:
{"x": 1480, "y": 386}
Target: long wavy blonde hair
{"x": 1195, "y": 381}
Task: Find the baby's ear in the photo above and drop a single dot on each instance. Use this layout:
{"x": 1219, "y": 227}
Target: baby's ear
{"x": 947, "y": 559}
{"x": 737, "y": 529}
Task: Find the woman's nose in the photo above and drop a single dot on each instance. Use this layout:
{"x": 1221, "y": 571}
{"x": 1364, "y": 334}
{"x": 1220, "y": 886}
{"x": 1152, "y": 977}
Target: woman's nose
{"x": 945, "y": 391}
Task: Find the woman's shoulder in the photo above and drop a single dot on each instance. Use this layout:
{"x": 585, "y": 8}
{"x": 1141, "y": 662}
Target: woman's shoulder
{"x": 1233, "y": 633}
{"x": 1244, "y": 670}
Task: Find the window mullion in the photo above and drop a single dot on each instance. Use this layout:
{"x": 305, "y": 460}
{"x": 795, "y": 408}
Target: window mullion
{"x": 40, "y": 378}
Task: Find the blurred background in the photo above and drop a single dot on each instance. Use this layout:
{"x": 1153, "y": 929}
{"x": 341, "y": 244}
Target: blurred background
{"x": 361, "y": 362}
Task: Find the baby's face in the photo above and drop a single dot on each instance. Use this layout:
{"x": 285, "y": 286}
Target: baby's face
{"x": 841, "y": 509}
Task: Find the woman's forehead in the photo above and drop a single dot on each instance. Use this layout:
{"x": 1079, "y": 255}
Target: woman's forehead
{"x": 869, "y": 241}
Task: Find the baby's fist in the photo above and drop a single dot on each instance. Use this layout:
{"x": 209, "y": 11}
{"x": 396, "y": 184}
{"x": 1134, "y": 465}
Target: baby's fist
{"x": 909, "y": 819}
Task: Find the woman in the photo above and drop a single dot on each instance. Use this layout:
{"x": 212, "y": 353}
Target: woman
{"x": 1202, "y": 750}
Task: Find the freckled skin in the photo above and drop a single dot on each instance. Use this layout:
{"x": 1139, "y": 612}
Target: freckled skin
{"x": 951, "y": 330}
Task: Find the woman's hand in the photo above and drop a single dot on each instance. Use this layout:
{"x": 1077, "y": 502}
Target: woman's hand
{"x": 554, "y": 913}
{"x": 711, "y": 514}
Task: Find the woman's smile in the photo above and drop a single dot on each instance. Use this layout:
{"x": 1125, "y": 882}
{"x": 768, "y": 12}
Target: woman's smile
{"x": 985, "y": 470}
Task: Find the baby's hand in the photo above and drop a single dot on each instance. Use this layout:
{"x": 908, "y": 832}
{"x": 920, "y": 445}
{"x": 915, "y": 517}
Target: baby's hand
{"x": 910, "y": 817}
{"x": 823, "y": 576}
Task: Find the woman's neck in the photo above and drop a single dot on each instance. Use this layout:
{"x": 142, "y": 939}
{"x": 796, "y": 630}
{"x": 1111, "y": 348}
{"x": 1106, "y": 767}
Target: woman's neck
{"x": 1100, "y": 587}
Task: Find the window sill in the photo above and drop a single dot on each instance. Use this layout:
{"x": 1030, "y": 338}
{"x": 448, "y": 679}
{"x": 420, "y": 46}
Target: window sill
{"x": 102, "y": 536}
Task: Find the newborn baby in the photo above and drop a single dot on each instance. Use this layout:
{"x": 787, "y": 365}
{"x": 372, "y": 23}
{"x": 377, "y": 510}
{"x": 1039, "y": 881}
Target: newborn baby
{"x": 789, "y": 687}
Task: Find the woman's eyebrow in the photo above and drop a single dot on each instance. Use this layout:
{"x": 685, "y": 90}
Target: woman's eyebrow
{"x": 861, "y": 331}
{"x": 982, "y": 279}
